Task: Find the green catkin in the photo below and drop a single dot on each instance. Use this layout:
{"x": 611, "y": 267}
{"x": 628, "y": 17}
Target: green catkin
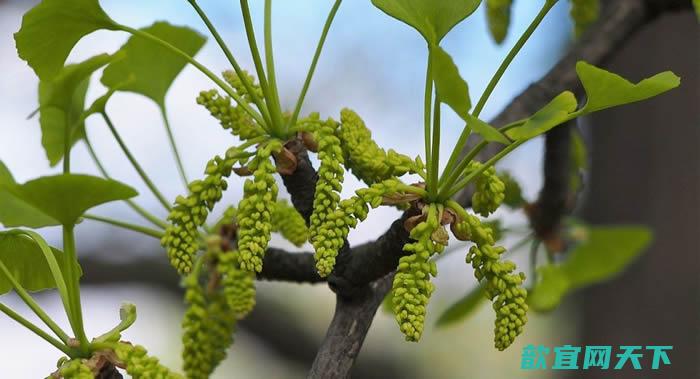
{"x": 489, "y": 192}
{"x": 331, "y": 234}
{"x": 235, "y": 81}
{"x": 513, "y": 194}
{"x": 227, "y": 218}
{"x": 232, "y": 118}
{"x": 197, "y": 349}
{"x": 584, "y": 13}
{"x": 238, "y": 286}
{"x": 289, "y": 223}
{"x": 181, "y": 239}
{"x": 141, "y": 366}
{"x": 365, "y": 159}
{"x": 330, "y": 175}
{"x": 221, "y": 325}
{"x": 412, "y": 286}
{"x": 256, "y": 208}
{"x": 503, "y": 287}
{"x": 498, "y": 17}
{"x": 75, "y": 369}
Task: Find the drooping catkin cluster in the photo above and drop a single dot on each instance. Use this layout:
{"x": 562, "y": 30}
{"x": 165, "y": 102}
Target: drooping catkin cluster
{"x": 584, "y": 13}
{"x": 363, "y": 157}
{"x": 237, "y": 286}
{"x": 503, "y": 286}
{"x": 75, "y": 369}
{"x": 289, "y": 223}
{"x": 141, "y": 366}
{"x": 208, "y": 327}
{"x": 330, "y": 174}
{"x": 498, "y": 17}
{"x": 256, "y": 208}
{"x": 412, "y": 286}
{"x": 489, "y": 192}
{"x": 513, "y": 195}
{"x": 181, "y": 239}
{"x": 331, "y": 234}
{"x": 232, "y": 117}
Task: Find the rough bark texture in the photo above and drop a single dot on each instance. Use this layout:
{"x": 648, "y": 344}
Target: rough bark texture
{"x": 351, "y": 321}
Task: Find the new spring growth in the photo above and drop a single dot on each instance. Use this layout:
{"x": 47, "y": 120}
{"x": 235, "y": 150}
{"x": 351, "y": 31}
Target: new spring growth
{"x": 503, "y": 287}
{"x": 498, "y": 17}
{"x": 332, "y": 232}
{"x": 364, "y": 158}
{"x": 75, "y": 369}
{"x": 140, "y": 365}
{"x": 181, "y": 239}
{"x": 256, "y": 208}
{"x": 489, "y": 192}
{"x": 584, "y": 13}
{"x": 289, "y": 223}
{"x": 412, "y": 286}
{"x": 237, "y": 286}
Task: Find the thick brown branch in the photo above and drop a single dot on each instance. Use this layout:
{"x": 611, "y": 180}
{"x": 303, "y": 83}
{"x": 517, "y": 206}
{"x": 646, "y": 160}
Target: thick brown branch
{"x": 347, "y": 331}
{"x": 301, "y": 184}
{"x": 279, "y": 264}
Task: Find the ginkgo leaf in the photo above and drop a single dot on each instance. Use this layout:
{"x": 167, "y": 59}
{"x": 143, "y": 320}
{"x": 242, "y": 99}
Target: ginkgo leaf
{"x": 464, "y": 307}
{"x": 61, "y": 103}
{"x": 605, "y": 89}
{"x": 148, "y": 68}
{"x": 555, "y": 113}
{"x": 485, "y": 130}
{"x": 605, "y": 252}
{"x": 432, "y": 19}
{"x": 451, "y": 89}
{"x": 24, "y": 259}
{"x": 15, "y": 211}
{"x": 64, "y": 198}
{"x": 51, "y": 29}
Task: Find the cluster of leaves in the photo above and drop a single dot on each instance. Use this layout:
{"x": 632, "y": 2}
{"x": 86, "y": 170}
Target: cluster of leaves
{"x": 219, "y": 263}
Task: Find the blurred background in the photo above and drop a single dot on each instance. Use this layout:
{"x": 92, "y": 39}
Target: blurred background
{"x": 645, "y": 170}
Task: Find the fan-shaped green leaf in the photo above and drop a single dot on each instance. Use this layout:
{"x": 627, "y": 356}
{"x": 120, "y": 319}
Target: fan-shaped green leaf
{"x": 25, "y": 261}
{"x": 498, "y": 18}
{"x": 15, "y": 211}
{"x": 148, "y": 68}
{"x": 606, "y": 252}
{"x": 61, "y": 103}
{"x": 450, "y": 87}
{"x": 605, "y": 89}
{"x": 432, "y": 19}
{"x": 463, "y": 307}
{"x": 485, "y": 130}
{"x": 64, "y": 198}
{"x": 553, "y": 114}
{"x": 51, "y": 29}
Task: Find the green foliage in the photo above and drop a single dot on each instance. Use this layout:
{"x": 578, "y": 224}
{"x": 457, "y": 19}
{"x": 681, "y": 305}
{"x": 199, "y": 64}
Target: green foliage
{"x": 367, "y": 161}
{"x": 696, "y": 5}
{"x": 412, "y": 286}
{"x": 287, "y": 221}
{"x": 553, "y": 114}
{"x": 433, "y": 20}
{"x": 61, "y": 105}
{"x": 15, "y": 211}
{"x": 604, "y": 253}
{"x": 488, "y": 132}
{"x": 140, "y": 365}
{"x": 51, "y": 29}
{"x": 61, "y": 198}
{"x": 584, "y": 13}
{"x": 498, "y": 18}
{"x": 25, "y": 261}
{"x": 463, "y": 308}
{"x": 135, "y": 70}
{"x": 605, "y": 89}
{"x": 450, "y": 87}
{"x": 256, "y": 208}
